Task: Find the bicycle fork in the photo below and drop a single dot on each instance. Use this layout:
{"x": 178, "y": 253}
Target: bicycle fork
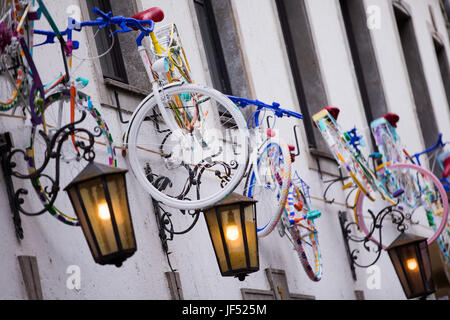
{"x": 170, "y": 121}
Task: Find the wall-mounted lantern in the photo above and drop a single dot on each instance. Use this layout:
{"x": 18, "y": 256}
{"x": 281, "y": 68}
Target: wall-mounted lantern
{"x": 411, "y": 259}
{"x": 99, "y": 198}
{"x": 232, "y": 228}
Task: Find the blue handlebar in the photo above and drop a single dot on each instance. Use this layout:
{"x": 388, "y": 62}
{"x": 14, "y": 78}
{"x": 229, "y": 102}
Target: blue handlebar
{"x": 279, "y": 112}
{"x": 104, "y": 21}
{"x": 438, "y": 144}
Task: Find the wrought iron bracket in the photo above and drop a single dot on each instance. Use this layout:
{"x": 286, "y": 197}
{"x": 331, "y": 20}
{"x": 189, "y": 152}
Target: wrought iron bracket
{"x": 6, "y": 144}
{"x": 330, "y": 183}
{"x": 166, "y": 230}
{"x": 53, "y": 150}
{"x": 343, "y": 222}
{"x": 398, "y": 219}
{"x": 160, "y": 222}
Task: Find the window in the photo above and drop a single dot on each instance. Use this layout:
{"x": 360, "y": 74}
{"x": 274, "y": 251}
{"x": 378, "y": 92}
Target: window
{"x": 366, "y": 69}
{"x": 442, "y": 60}
{"x": 416, "y": 74}
{"x": 31, "y": 278}
{"x": 112, "y": 64}
{"x": 212, "y": 45}
{"x": 359, "y": 294}
{"x": 221, "y": 44}
{"x": 279, "y": 289}
{"x": 255, "y": 294}
{"x": 279, "y": 285}
{"x": 445, "y": 8}
{"x": 122, "y": 67}
{"x": 304, "y": 65}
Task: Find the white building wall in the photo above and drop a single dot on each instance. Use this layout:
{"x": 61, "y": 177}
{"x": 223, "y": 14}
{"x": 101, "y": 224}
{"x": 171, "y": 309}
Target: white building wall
{"x": 57, "y": 246}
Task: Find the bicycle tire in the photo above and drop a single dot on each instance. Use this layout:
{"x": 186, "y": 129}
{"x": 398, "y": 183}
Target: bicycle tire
{"x": 12, "y": 80}
{"x": 421, "y": 170}
{"x": 185, "y": 200}
{"x": 57, "y": 96}
{"x": 397, "y": 181}
{"x": 279, "y": 193}
{"x": 315, "y": 274}
{"x": 13, "y": 70}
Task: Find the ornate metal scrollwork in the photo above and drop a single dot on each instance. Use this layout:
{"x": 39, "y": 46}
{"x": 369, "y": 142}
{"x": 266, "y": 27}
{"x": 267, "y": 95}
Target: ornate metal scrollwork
{"x": 53, "y": 150}
{"x": 348, "y": 228}
{"x": 163, "y": 216}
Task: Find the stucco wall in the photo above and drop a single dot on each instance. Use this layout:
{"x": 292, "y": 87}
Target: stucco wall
{"x": 57, "y": 246}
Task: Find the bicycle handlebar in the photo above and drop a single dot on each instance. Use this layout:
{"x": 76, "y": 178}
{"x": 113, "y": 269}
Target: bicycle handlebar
{"x": 438, "y": 144}
{"x": 279, "y": 112}
{"x": 104, "y": 21}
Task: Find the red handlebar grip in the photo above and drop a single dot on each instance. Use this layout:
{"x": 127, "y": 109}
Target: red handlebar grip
{"x": 156, "y": 14}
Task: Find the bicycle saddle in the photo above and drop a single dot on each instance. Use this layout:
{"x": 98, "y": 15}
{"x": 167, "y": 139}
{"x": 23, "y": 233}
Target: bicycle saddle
{"x": 334, "y": 111}
{"x": 446, "y": 163}
{"x": 392, "y": 118}
{"x": 156, "y": 14}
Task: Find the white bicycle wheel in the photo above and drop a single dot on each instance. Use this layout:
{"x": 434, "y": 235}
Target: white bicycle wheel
{"x": 199, "y": 164}
{"x": 269, "y": 184}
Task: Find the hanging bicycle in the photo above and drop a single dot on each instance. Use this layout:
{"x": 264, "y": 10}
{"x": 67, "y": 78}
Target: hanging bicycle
{"x": 46, "y": 117}
{"x": 299, "y": 220}
{"x": 370, "y": 182}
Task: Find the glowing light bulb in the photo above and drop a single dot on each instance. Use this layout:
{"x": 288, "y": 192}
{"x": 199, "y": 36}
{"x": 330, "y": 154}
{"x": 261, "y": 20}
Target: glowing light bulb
{"x": 412, "y": 264}
{"x": 232, "y": 232}
{"x": 103, "y": 211}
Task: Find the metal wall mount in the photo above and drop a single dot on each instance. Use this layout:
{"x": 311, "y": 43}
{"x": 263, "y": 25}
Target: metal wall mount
{"x": 349, "y": 234}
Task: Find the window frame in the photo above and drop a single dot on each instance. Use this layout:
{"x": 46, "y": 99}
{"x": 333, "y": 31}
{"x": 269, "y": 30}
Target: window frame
{"x": 316, "y": 148}
{"x": 216, "y": 46}
{"x": 415, "y": 72}
{"x": 119, "y": 72}
{"x": 368, "y": 76}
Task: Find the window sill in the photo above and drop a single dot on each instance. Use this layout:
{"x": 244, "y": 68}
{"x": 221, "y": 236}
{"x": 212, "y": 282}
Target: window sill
{"x": 321, "y": 154}
{"x": 323, "y": 162}
{"x": 114, "y": 84}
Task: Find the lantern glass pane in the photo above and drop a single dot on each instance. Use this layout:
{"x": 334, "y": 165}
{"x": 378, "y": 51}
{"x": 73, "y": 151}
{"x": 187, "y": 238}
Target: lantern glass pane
{"x": 411, "y": 265}
{"x": 116, "y": 187}
{"x": 232, "y": 230}
{"x": 426, "y": 262}
{"x": 398, "y": 269}
{"x": 250, "y": 228}
{"x": 214, "y": 232}
{"x": 82, "y": 219}
{"x": 99, "y": 215}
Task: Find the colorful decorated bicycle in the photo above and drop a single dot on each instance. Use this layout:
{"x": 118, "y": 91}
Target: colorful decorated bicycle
{"x": 283, "y": 200}
{"x": 384, "y": 180}
{"x": 419, "y": 191}
{"x": 299, "y": 220}
{"x": 200, "y": 134}
{"x": 51, "y": 106}
{"x": 438, "y": 153}
{"x": 269, "y": 172}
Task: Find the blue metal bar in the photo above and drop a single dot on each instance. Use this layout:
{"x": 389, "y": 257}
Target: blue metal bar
{"x": 275, "y": 107}
{"x": 104, "y": 21}
{"x": 446, "y": 183}
{"x": 438, "y": 144}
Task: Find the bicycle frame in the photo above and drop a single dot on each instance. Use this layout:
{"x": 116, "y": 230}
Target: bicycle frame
{"x": 372, "y": 179}
{"x": 104, "y": 21}
{"x": 439, "y": 145}
{"x": 36, "y": 82}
